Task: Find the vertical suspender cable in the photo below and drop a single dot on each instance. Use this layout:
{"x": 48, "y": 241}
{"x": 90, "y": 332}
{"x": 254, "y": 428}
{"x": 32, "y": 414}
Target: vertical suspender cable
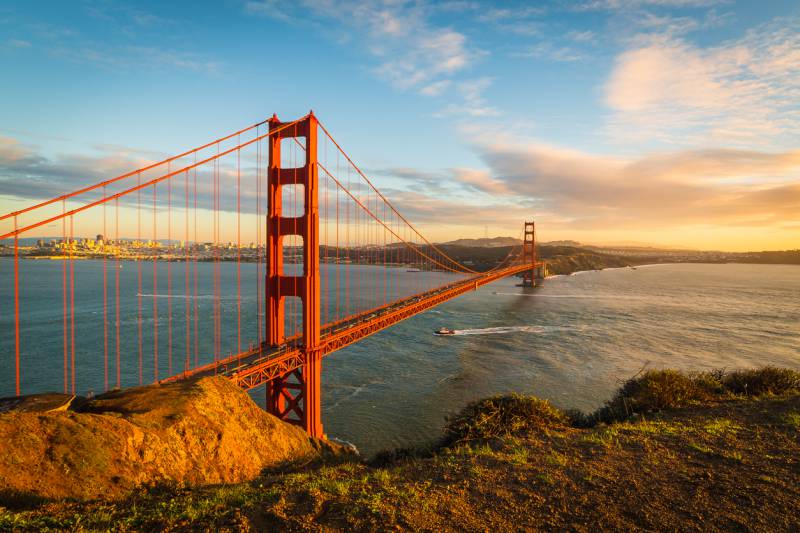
{"x": 105, "y": 297}
{"x": 139, "y": 270}
{"x": 187, "y": 309}
{"x": 116, "y": 287}
{"x": 169, "y": 275}
{"x": 155, "y": 288}
{"x": 72, "y": 301}
{"x": 64, "y": 290}
{"x": 16, "y": 308}
{"x": 238, "y": 249}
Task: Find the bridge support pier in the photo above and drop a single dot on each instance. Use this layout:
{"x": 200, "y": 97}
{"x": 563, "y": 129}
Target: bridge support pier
{"x": 529, "y": 254}
{"x": 295, "y": 396}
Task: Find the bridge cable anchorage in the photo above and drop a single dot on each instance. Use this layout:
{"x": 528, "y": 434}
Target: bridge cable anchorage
{"x": 340, "y": 262}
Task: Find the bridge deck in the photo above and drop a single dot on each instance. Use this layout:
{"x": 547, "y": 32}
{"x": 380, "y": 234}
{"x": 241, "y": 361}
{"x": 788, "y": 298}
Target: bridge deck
{"x": 258, "y": 365}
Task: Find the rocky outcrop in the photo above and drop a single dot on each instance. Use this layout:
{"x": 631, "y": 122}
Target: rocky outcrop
{"x": 194, "y": 432}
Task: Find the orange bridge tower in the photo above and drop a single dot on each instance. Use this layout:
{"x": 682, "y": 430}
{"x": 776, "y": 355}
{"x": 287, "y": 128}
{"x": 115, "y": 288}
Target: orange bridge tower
{"x": 529, "y": 255}
{"x": 295, "y": 396}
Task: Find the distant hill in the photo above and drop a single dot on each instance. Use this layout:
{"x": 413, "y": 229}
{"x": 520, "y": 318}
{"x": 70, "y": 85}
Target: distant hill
{"x": 574, "y": 244}
{"x": 493, "y": 242}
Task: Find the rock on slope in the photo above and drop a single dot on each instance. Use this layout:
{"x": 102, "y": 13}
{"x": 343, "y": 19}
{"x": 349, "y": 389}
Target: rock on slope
{"x": 194, "y": 432}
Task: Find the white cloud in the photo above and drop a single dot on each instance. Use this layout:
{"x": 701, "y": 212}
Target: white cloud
{"x": 628, "y": 4}
{"x": 436, "y": 88}
{"x": 549, "y": 52}
{"x": 480, "y": 180}
{"x": 136, "y": 57}
{"x": 581, "y": 36}
{"x": 472, "y": 100}
{"x": 18, "y": 43}
{"x": 740, "y": 93}
{"x": 272, "y": 8}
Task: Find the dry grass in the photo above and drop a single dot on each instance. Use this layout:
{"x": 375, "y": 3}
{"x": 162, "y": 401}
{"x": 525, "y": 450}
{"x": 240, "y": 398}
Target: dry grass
{"x": 728, "y": 462}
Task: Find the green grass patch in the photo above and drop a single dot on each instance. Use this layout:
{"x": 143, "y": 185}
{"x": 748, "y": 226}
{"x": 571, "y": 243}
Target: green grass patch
{"x": 655, "y": 427}
{"x": 733, "y": 456}
{"x": 518, "y": 455}
{"x": 605, "y": 437}
{"x": 721, "y": 426}
{"x": 557, "y": 459}
{"x": 702, "y": 448}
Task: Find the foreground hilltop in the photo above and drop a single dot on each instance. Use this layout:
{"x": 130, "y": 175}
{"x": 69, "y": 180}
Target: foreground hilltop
{"x": 196, "y": 432}
{"x": 711, "y": 451}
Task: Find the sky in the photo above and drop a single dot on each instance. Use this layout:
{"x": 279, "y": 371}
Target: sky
{"x": 660, "y": 122}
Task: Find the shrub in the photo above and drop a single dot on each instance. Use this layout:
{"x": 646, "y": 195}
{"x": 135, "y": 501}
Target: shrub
{"x": 660, "y": 389}
{"x": 669, "y": 389}
{"x": 501, "y": 416}
{"x": 760, "y": 381}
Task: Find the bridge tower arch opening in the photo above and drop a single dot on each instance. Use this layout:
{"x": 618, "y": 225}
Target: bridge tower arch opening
{"x": 296, "y": 395}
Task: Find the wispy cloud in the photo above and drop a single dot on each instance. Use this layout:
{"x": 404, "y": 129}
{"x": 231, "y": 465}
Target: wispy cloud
{"x": 131, "y": 48}
{"x": 27, "y": 173}
{"x": 127, "y": 58}
{"x": 408, "y": 49}
{"x": 550, "y": 52}
{"x": 743, "y": 92}
{"x": 122, "y": 15}
{"x": 471, "y": 101}
{"x": 18, "y": 43}
{"x": 585, "y": 36}
{"x": 661, "y": 190}
{"x": 435, "y": 88}
{"x": 592, "y": 5}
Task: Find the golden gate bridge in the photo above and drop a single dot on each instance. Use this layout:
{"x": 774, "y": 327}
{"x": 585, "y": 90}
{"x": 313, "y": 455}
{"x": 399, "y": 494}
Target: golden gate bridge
{"x": 292, "y": 188}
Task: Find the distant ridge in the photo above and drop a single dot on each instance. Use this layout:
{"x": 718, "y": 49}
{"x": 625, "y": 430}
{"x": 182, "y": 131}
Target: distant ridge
{"x": 493, "y": 242}
{"x": 575, "y": 244}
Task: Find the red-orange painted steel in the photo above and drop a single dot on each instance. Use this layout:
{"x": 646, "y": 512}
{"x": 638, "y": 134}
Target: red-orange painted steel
{"x": 16, "y": 311}
{"x": 529, "y": 254}
{"x": 286, "y": 391}
{"x": 288, "y": 363}
{"x": 259, "y": 366}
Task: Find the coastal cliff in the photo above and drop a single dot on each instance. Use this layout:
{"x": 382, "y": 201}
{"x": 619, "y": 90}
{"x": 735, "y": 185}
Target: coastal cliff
{"x": 576, "y": 262}
{"x": 710, "y": 451}
{"x": 194, "y": 432}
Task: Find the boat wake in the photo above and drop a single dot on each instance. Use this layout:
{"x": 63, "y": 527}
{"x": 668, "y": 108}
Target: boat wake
{"x": 579, "y": 296}
{"x": 183, "y": 296}
{"x": 502, "y": 330}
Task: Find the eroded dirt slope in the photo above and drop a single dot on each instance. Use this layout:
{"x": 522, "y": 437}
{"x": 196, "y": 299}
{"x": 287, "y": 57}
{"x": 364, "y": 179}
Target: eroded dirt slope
{"x": 196, "y": 432}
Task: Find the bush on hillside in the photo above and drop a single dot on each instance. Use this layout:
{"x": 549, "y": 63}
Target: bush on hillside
{"x": 656, "y": 390}
{"x": 761, "y": 381}
{"x": 500, "y": 416}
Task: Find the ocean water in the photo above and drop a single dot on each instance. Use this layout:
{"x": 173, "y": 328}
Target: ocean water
{"x": 572, "y": 340}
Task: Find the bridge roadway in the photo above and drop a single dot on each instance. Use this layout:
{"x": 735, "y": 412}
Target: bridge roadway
{"x": 261, "y": 364}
